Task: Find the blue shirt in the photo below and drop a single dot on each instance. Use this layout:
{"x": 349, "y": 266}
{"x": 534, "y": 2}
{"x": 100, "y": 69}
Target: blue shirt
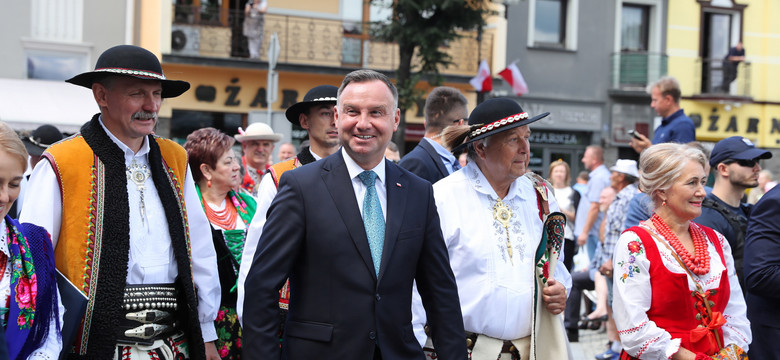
{"x": 446, "y": 156}
{"x": 676, "y": 128}
{"x": 599, "y": 179}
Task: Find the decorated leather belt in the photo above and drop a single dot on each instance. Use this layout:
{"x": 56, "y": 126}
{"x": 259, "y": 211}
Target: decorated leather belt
{"x": 508, "y": 348}
{"x": 149, "y": 314}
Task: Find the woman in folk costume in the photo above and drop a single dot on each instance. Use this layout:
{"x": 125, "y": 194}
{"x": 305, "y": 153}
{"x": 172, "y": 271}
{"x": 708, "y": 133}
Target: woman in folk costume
{"x": 504, "y": 235}
{"x": 216, "y": 171}
{"x": 30, "y": 309}
{"x": 676, "y": 292}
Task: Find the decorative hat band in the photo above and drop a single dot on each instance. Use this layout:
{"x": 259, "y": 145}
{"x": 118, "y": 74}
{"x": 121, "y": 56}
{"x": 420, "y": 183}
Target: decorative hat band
{"x": 132, "y": 72}
{"x": 327, "y": 98}
{"x": 38, "y": 143}
{"x": 499, "y": 123}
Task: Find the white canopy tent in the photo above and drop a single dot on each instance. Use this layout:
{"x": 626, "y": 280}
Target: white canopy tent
{"x": 26, "y": 104}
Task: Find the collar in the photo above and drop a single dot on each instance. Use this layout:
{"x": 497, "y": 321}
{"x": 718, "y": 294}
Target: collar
{"x": 129, "y": 154}
{"x": 671, "y": 118}
{"x": 441, "y": 150}
{"x": 480, "y": 183}
{"x": 598, "y": 168}
{"x": 355, "y": 169}
{"x": 316, "y": 157}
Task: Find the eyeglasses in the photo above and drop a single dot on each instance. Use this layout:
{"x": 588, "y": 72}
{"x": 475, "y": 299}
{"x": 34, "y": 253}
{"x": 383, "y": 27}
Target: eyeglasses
{"x": 743, "y": 163}
{"x": 457, "y": 120}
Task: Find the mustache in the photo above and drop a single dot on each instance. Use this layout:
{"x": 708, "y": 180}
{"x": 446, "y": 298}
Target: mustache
{"x": 145, "y": 115}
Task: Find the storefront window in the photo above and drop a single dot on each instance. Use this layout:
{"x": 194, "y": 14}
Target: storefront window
{"x": 184, "y": 122}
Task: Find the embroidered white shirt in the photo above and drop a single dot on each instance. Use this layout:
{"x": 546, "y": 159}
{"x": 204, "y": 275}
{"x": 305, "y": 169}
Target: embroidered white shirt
{"x": 633, "y": 295}
{"x": 496, "y": 292}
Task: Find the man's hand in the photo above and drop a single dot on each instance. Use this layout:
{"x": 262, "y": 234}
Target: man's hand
{"x": 606, "y": 268}
{"x": 554, "y": 297}
{"x": 582, "y": 239}
{"x": 211, "y": 351}
{"x": 640, "y": 144}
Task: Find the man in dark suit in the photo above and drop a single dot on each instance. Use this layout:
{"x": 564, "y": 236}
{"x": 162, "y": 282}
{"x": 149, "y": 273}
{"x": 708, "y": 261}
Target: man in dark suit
{"x": 430, "y": 160}
{"x": 762, "y": 275}
{"x": 352, "y": 232}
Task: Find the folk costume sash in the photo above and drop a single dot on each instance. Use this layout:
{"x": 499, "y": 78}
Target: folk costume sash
{"x": 95, "y": 232}
{"x": 33, "y": 288}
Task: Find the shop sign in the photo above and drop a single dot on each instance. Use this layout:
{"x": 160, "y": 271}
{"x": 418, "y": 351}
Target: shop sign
{"x": 235, "y": 96}
{"x": 557, "y": 138}
{"x": 716, "y": 126}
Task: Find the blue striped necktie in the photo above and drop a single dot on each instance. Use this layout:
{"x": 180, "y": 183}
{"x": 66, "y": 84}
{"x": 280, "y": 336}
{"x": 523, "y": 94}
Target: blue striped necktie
{"x": 373, "y": 220}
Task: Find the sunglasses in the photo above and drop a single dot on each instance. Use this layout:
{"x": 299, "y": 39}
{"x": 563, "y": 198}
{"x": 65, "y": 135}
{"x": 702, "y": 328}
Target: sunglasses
{"x": 743, "y": 163}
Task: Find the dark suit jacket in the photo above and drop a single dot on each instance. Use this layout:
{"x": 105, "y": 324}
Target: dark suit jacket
{"x": 425, "y": 162}
{"x": 338, "y": 307}
{"x": 762, "y": 270}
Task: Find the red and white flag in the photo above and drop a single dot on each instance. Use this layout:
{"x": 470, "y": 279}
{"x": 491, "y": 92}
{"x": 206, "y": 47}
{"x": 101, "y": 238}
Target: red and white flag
{"x": 513, "y": 76}
{"x": 483, "y": 82}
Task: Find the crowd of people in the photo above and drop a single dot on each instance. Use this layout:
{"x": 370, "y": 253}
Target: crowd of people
{"x": 130, "y": 246}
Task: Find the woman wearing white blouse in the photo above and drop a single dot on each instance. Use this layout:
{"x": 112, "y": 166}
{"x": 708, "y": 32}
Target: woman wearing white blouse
{"x": 676, "y": 291}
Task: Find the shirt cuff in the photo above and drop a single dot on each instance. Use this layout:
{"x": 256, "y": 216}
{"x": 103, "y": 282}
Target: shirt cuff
{"x": 208, "y": 331}
{"x": 672, "y": 348}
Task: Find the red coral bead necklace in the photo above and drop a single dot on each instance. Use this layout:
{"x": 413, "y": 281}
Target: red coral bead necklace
{"x": 699, "y": 264}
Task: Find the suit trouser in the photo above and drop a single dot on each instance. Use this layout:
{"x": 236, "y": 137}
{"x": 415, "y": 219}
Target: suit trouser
{"x": 579, "y": 281}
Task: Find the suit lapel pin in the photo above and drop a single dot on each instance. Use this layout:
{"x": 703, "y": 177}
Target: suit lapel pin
{"x": 398, "y": 184}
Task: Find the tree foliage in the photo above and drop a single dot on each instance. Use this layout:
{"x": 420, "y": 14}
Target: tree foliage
{"x": 422, "y": 28}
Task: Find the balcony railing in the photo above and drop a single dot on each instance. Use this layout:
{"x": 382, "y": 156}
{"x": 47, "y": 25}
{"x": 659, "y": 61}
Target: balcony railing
{"x": 307, "y": 41}
{"x": 635, "y": 70}
{"x": 710, "y": 75}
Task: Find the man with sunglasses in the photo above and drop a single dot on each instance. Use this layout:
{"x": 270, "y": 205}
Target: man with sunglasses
{"x": 430, "y": 160}
{"x": 735, "y": 165}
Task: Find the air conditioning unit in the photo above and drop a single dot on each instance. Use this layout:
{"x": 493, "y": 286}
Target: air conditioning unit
{"x": 185, "y": 40}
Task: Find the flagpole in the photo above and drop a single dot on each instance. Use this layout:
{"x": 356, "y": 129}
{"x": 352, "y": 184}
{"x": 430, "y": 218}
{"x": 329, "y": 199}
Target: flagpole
{"x": 480, "y": 94}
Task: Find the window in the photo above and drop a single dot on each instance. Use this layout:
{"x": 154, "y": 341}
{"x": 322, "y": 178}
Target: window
{"x": 45, "y": 65}
{"x": 550, "y": 22}
{"x": 634, "y": 28}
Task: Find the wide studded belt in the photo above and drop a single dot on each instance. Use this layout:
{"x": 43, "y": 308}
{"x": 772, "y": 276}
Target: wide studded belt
{"x": 150, "y": 313}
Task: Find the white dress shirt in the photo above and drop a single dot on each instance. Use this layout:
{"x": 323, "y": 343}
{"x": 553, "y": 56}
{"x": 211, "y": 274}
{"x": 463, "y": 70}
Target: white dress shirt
{"x": 151, "y": 258}
{"x": 52, "y": 345}
{"x": 496, "y": 292}
{"x": 633, "y": 296}
{"x": 265, "y": 196}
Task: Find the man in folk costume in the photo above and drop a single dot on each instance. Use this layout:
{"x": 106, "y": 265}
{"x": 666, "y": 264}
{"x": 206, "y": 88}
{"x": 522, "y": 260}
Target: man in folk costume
{"x": 504, "y": 233}
{"x": 257, "y": 143}
{"x": 315, "y": 114}
{"x": 126, "y": 222}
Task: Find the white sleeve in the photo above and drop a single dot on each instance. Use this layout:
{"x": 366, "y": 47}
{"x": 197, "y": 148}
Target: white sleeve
{"x": 204, "y": 260}
{"x": 265, "y": 195}
{"x": 44, "y": 204}
{"x": 52, "y": 346}
{"x": 641, "y": 337}
{"x": 737, "y": 328}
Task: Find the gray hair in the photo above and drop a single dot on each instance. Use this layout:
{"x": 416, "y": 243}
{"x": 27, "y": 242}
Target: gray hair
{"x": 365, "y": 75}
{"x": 661, "y": 165}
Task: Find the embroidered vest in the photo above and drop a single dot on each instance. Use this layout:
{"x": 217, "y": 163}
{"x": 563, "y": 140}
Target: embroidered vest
{"x": 86, "y": 213}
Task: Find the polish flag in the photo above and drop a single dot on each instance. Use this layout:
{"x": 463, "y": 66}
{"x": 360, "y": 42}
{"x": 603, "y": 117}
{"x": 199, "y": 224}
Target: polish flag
{"x": 513, "y": 76}
{"x": 483, "y": 82}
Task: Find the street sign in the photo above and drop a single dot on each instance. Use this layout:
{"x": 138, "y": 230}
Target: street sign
{"x": 273, "y": 77}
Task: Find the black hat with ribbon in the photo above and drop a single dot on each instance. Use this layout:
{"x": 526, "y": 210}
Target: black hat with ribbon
{"x": 41, "y": 138}
{"x": 134, "y": 61}
{"x": 319, "y": 95}
{"x": 494, "y": 116}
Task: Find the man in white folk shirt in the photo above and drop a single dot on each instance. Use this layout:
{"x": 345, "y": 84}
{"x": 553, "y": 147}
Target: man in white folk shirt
{"x": 126, "y": 222}
{"x": 491, "y": 216}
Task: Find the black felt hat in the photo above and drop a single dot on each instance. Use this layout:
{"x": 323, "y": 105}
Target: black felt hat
{"x": 322, "y": 94}
{"x": 494, "y": 116}
{"x": 41, "y": 138}
{"x": 134, "y": 61}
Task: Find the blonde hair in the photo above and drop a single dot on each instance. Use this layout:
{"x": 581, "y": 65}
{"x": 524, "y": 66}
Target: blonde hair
{"x": 557, "y": 163}
{"x": 661, "y": 165}
{"x": 12, "y": 144}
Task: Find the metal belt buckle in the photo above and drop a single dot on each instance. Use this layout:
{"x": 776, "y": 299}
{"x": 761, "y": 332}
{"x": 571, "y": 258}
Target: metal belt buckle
{"x": 147, "y": 331}
{"x": 148, "y": 316}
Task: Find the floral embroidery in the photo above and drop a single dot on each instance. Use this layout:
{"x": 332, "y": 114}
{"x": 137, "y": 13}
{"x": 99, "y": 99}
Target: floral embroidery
{"x": 23, "y": 275}
{"x": 629, "y": 267}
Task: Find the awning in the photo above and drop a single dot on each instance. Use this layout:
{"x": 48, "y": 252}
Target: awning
{"x": 26, "y": 104}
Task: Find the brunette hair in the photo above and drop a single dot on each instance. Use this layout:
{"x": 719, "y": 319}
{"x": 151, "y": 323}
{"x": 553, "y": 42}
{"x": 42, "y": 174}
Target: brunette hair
{"x": 206, "y": 146}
